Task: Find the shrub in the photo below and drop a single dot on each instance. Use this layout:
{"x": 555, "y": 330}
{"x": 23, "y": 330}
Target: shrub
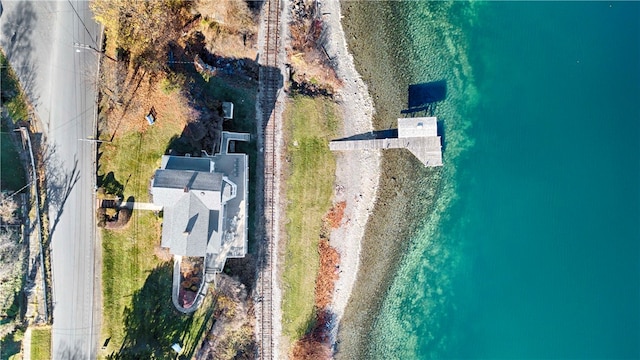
{"x": 172, "y": 83}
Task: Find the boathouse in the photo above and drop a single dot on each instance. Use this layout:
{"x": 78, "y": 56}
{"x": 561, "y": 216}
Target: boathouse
{"x": 419, "y": 135}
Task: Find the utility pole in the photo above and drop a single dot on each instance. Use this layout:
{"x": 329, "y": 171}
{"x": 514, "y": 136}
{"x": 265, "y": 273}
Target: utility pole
{"x": 95, "y": 140}
{"x": 79, "y": 46}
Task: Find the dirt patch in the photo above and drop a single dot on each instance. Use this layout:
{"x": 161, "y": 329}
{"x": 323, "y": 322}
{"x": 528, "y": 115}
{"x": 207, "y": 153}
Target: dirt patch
{"x": 162, "y": 254}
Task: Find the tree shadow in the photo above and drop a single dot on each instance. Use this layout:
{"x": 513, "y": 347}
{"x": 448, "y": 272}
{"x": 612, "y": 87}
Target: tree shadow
{"x": 60, "y": 183}
{"x": 17, "y": 31}
{"x": 243, "y": 269}
{"x": 67, "y": 351}
{"x": 110, "y": 185}
{"x": 153, "y": 324}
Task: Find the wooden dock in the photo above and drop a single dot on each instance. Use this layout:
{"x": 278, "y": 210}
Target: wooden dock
{"x": 418, "y": 135}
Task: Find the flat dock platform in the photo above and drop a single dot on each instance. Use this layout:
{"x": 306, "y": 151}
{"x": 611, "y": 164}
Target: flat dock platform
{"x": 418, "y": 135}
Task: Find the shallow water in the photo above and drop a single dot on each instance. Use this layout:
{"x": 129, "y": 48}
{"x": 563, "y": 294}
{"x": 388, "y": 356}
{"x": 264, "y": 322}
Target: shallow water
{"x": 531, "y": 247}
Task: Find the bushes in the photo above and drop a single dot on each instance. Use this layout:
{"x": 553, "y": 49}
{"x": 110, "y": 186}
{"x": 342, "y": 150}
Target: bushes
{"x": 142, "y": 29}
{"x": 12, "y": 97}
{"x": 113, "y": 222}
{"x": 172, "y": 83}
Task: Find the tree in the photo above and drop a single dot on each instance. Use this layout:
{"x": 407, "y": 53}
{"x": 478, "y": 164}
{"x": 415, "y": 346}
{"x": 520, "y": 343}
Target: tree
{"x": 142, "y": 29}
{"x": 8, "y": 207}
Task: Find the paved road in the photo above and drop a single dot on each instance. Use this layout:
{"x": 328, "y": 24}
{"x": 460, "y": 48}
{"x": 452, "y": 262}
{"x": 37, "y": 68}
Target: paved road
{"x": 39, "y": 38}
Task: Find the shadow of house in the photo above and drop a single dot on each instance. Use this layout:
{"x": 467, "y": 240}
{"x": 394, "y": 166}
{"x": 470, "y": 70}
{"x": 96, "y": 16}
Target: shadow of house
{"x": 424, "y": 96}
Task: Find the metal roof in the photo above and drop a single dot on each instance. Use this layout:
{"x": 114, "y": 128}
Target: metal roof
{"x": 186, "y": 163}
{"x": 417, "y": 127}
{"x": 191, "y": 180}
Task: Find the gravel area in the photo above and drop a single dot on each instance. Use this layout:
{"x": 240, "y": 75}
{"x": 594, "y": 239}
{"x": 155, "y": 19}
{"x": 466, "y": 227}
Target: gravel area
{"x": 357, "y": 173}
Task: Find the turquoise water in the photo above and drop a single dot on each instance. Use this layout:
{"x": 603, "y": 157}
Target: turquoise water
{"x": 533, "y": 251}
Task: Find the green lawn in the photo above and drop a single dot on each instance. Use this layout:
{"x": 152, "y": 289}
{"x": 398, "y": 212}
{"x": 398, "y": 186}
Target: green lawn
{"x": 310, "y": 124}
{"x": 138, "y": 315}
{"x": 41, "y": 343}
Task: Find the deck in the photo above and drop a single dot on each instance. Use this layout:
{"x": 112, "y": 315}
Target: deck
{"x": 418, "y": 135}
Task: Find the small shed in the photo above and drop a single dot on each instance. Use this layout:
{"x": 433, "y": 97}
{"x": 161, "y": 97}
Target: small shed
{"x": 227, "y": 110}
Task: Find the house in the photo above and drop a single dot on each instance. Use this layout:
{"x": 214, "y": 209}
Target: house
{"x": 204, "y": 202}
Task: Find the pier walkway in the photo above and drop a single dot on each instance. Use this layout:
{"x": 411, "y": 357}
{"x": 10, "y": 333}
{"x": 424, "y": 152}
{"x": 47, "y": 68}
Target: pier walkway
{"x": 418, "y": 135}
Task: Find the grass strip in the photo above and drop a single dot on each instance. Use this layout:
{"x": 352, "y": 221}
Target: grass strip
{"x": 309, "y": 124}
{"x": 41, "y": 343}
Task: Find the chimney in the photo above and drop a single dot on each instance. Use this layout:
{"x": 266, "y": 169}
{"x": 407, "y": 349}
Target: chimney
{"x": 186, "y": 189}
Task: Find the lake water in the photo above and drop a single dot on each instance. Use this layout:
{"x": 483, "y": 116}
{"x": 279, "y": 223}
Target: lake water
{"x": 532, "y": 249}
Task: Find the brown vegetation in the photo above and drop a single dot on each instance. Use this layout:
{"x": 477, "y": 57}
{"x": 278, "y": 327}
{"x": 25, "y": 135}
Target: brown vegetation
{"x": 8, "y": 208}
{"x": 229, "y": 27}
{"x": 231, "y": 336}
{"x": 311, "y": 69}
{"x": 141, "y": 30}
{"x": 191, "y": 272}
{"x": 335, "y": 215}
{"x": 114, "y": 222}
{"x": 143, "y": 91}
{"x": 12, "y": 258}
{"x": 315, "y": 344}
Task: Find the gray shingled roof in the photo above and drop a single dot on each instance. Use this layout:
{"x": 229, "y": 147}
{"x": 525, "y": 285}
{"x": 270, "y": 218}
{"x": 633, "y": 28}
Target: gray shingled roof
{"x": 192, "y": 180}
{"x": 188, "y": 226}
{"x": 186, "y": 163}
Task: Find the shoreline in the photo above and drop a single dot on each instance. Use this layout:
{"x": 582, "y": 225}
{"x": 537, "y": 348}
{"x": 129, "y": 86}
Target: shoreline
{"x": 405, "y": 191}
{"x": 359, "y": 192}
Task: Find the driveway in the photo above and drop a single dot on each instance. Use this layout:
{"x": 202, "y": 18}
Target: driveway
{"x": 38, "y": 38}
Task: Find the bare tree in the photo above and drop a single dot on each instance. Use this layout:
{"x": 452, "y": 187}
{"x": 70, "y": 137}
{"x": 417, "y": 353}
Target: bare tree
{"x": 142, "y": 28}
{"x": 8, "y": 207}
{"x": 11, "y": 258}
